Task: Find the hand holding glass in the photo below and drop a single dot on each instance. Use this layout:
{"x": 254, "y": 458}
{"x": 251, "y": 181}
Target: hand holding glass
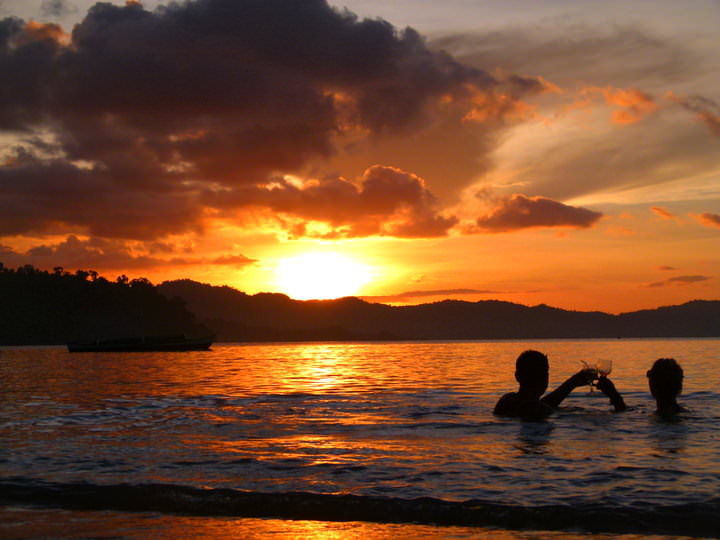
{"x": 602, "y": 368}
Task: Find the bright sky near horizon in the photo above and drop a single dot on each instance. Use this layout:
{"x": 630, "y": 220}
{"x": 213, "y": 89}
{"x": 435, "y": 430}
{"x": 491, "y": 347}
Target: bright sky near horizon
{"x": 559, "y": 152}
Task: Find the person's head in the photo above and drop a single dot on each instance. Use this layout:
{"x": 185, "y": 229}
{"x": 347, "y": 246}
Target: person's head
{"x": 531, "y": 371}
{"x": 665, "y": 379}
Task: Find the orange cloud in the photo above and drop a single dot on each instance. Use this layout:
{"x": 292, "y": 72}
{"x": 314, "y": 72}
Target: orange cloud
{"x": 632, "y": 104}
{"x": 503, "y": 104}
{"x": 101, "y": 254}
{"x": 709, "y": 220}
{"x": 36, "y": 31}
{"x": 663, "y": 213}
{"x": 493, "y": 108}
{"x": 385, "y": 201}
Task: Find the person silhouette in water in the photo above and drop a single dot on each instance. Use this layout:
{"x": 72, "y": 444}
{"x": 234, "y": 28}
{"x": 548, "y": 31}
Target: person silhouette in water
{"x": 531, "y": 373}
{"x": 665, "y": 379}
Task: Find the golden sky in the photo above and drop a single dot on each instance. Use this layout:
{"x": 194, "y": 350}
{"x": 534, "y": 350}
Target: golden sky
{"x": 565, "y": 153}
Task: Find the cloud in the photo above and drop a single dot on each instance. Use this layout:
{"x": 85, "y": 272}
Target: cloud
{"x": 522, "y": 212}
{"x": 681, "y": 280}
{"x": 43, "y": 195}
{"x": 709, "y": 220}
{"x": 663, "y": 213}
{"x": 579, "y": 157}
{"x": 561, "y": 55}
{"x": 706, "y": 110}
{"x": 665, "y": 268}
{"x": 231, "y": 260}
{"x": 409, "y": 295}
{"x": 125, "y": 125}
{"x": 631, "y": 105}
{"x": 385, "y": 201}
{"x": 504, "y": 107}
{"x": 688, "y": 279}
{"x": 105, "y": 255}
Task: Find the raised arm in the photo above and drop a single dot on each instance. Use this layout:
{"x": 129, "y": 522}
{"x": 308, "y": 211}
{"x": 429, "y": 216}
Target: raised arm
{"x": 581, "y": 378}
{"x": 608, "y": 388}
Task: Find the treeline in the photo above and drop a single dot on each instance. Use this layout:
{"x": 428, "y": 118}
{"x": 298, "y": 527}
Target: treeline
{"x": 38, "y": 307}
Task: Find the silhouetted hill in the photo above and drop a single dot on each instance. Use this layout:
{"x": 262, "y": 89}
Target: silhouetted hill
{"x": 43, "y": 308}
{"x": 695, "y": 319}
{"x": 39, "y": 307}
{"x": 236, "y": 316}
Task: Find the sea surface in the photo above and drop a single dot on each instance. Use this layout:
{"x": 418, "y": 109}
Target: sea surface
{"x": 352, "y": 440}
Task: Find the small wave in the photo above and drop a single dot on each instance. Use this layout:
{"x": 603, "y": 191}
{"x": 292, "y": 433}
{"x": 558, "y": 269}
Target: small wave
{"x": 685, "y": 519}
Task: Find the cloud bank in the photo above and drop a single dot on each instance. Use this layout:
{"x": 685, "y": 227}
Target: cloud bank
{"x": 141, "y": 124}
{"x": 108, "y": 255}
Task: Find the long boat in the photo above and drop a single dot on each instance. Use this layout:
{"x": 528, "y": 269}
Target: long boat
{"x": 143, "y": 344}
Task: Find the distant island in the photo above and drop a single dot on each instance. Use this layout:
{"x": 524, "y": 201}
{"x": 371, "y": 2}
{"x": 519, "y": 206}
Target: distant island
{"x": 47, "y": 308}
{"x": 236, "y": 316}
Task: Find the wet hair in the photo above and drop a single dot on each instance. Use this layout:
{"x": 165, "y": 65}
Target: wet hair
{"x": 666, "y": 377}
{"x": 531, "y": 362}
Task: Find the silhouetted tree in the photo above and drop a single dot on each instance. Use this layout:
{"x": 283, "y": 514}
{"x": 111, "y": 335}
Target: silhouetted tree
{"x": 38, "y": 307}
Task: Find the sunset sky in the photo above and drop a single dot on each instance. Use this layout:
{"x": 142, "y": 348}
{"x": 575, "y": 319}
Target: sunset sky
{"x": 406, "y": 151}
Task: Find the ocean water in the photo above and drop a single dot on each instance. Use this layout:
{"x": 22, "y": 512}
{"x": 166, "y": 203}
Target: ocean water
{"x": 352, "y": 440}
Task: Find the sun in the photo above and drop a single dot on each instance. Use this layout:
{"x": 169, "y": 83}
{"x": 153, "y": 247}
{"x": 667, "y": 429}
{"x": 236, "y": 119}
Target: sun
{"x": 320, "y": 276}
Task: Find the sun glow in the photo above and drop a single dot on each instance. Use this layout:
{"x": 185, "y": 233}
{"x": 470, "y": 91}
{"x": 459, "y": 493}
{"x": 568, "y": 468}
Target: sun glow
{"x": 320, "y": 276}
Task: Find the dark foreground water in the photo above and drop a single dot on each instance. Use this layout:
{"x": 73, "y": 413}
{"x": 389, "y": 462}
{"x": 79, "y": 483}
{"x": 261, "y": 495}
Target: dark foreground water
{"x": 371, "y": 440}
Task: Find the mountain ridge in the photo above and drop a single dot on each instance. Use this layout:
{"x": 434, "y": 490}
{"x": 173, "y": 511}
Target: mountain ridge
{"x": 238, "y": 316}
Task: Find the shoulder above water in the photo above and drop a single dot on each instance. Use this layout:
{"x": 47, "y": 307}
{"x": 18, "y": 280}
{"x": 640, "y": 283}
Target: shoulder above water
{"x": 515, "y": 405}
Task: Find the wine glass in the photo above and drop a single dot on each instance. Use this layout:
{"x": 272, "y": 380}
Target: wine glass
{"x": 602, "y": 368}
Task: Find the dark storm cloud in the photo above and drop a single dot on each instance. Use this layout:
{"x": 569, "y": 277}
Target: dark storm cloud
{"x": 131, "y": 117}
{"x": 521, "y": 212}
